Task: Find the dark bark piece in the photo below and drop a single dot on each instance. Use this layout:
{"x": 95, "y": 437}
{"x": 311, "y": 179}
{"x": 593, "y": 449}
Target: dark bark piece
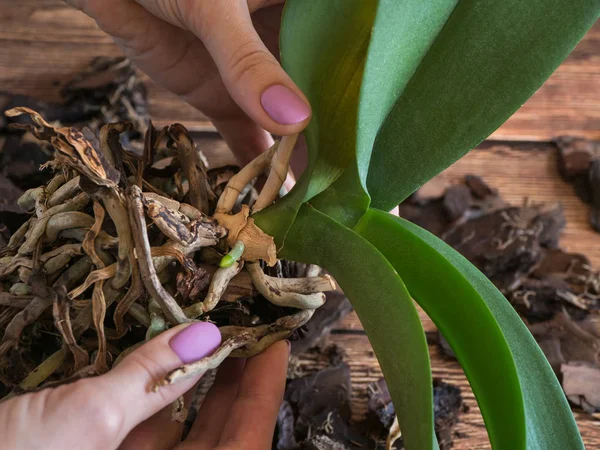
{"x": 430, "y": 216}
{"x": 322, "y": 442}
{"x": 323, "y": 320}
{"x": 575, "y": 156}
{"x": 448, "y": 404}
{"x": 457, "y": 201}
{"x": 190, "y": 285}
{"x": 193, "y": 167}
{"x": 552, "y": 221}
{"x": 319, "y": 392}
{"x": 563, "y": 340}
{"x": 555, "y": 261}
{"x": 502, "y": 242}
{"x": 479, "y": 188}
{"x": 540, "y": 299}
{"x": 580, "y": 383}
{"x": 594, "y": 180}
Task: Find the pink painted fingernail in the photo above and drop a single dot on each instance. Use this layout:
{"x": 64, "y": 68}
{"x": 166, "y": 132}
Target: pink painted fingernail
{"x": 283, "y": 105}
{"x": 196, "y": 341}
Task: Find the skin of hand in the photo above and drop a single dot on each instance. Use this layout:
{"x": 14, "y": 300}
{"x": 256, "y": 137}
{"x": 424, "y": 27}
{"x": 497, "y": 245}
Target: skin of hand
{"x": 218, "y": 56}
{"x": 118, "y": 410}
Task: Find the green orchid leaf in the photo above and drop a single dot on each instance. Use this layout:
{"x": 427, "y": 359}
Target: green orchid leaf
{"x": 385, "y": 309}
{"x": 403, "y": 31}
{"x": 486, "y": 61}
{"x": 494, "y": 347}
{"x": 323, "y": 46}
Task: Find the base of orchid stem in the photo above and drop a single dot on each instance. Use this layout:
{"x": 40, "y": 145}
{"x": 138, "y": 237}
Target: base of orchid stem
{"x": 107, "y": 253}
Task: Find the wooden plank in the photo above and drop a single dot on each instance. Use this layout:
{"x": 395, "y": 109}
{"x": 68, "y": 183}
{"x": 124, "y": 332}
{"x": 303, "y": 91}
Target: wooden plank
{"x": 43, "y": 42}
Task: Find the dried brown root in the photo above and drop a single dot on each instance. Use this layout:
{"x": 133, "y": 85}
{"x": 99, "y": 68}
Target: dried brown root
{"x": 170, "y": 223}
{"x": 115, "y": 208}
{"x": 73, "y": 149}
{"x": 103, "y": 240}
{"x": 17, "y": 238}
{"x": 257, "y": 244}
{"x": 178, "y": 410}
{"x": 312, "y": 270}
{"x": 393, "y": 435}
{"x": 98, "y": 314}
{"x": 42, "y": 372}
{"x": 171, "y": 308}
{"x": 157, "y": 321}
{"x": 218, "y": 284}
{"x": 273, "y": 292}
{"x": 64, "y": 221}
{"x": 32, "y": 197}
{"x": 210, "y": 362}
{"x": 20, "y": 289}
{"x": 308, "y": 285}
{"x": 127, "y": 302}
{"x": 239, "y": 181}
{"x": 151, "y": 197}
{"x": 40, "y": 303}
{"x": 67, "y": 191}
{"x": 89, "y": 243}
{"x": 266, "y": 335}
{"x": 279, "y": 169}
{"x": 94, "y": 277}
{"x": 62, "y": 321}
{"x": 139, "y": 313}
{"x": 255, "y": 348}
{"x": 193, "y": 166}
{"x": 15, "y": 301}
{"x": 38, "y": 227}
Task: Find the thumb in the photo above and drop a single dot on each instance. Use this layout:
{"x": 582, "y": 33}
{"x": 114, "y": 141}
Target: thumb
{"x": 102, "y": 411}
{"x": 252, "y": 75}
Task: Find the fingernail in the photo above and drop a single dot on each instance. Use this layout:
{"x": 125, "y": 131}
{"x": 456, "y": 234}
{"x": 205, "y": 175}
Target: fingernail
{"x": 283, "y": 105}
{"x": 196, "y": 341}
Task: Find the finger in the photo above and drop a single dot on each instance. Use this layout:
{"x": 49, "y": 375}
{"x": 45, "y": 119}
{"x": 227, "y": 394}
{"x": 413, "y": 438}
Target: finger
{"x": 252, "y": 75}
{"x": 253, "y": 415}
{"x": 101, "y": 411}
{"x": 159, "y": 432}
{"x": 214, "y": 412}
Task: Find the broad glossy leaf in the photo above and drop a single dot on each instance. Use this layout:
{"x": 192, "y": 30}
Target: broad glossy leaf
{"x": 497, "y": 352}
{"x": 486, "y": 61}
{"x": 385, "y": 310}
{"x": 403, "y": 31}
{"x": 323, "y": 46}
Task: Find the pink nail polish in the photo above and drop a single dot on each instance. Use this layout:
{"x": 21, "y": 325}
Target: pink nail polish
{"x": 196, "y": 341}
{"x": 283, "y": 105}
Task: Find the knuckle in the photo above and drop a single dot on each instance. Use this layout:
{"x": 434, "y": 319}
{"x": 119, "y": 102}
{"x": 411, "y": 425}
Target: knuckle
{"x": 108, "y": 418}
{"x": 248, "y": 59}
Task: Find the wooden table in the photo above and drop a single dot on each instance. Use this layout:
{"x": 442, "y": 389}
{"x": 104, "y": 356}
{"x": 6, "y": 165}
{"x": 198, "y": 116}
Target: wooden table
{"x": 43, "y": 42}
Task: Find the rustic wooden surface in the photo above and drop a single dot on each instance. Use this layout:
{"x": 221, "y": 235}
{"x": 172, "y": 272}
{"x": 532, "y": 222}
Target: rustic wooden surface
{"x": 43, "y": 42}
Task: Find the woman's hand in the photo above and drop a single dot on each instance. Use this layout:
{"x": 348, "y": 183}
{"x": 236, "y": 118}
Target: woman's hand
{"x": 118, "y": 410}
{"x": 218, "y": 56}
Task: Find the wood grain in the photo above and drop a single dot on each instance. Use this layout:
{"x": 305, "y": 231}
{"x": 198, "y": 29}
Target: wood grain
{"x": 43, "y": 42}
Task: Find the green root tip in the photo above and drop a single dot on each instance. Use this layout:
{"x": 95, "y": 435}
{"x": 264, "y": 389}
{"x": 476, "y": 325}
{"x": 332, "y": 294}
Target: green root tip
{"x": 235, "y": 253}
{"x": 227, "y": 261}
